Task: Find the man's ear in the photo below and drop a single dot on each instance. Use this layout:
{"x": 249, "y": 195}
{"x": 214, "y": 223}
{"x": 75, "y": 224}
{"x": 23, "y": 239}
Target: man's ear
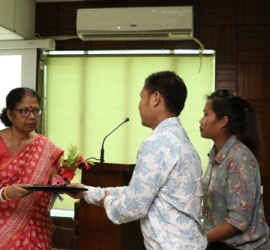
{"x": 156, "y": 98}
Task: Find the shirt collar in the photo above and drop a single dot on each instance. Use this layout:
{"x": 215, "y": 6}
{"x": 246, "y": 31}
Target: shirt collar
{"x": 169, "y": 121}
{"x": 222, "y": 152}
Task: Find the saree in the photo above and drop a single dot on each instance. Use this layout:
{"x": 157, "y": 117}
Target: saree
{"x": 26, "y": 224}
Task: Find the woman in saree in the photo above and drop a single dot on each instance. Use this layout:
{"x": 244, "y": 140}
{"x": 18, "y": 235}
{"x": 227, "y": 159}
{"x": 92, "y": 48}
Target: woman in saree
{"x": 26, "y": 158}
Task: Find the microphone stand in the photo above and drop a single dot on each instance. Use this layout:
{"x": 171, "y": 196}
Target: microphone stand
{"x": 102, "y": 146}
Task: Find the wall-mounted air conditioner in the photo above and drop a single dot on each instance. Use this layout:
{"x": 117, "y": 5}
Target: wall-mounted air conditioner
{"x": 144, "y": 23}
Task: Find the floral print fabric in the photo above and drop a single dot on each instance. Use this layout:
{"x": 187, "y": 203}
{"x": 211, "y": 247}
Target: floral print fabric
{"x": 165, "y": 191}
{"x": 232, "y": 187}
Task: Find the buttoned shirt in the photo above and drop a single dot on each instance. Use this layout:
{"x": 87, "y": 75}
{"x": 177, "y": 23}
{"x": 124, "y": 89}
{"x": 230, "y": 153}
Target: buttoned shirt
{"x": 232, "y": 187}
{"x": 165, "y": 191}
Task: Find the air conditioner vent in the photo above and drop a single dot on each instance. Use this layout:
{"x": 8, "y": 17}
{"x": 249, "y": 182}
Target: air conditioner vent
{"x": 88, "y": 36}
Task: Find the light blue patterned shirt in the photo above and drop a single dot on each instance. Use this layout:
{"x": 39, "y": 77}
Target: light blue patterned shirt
{"x": 165, "y": 192}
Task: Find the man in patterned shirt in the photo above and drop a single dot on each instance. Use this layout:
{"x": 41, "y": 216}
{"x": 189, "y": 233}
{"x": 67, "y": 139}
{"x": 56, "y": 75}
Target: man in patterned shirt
{"x": 165, "y": 191}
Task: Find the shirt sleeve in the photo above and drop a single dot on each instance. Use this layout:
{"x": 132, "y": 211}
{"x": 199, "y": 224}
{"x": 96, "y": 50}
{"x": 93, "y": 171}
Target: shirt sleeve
{"x": 94, "y": 194}
{"x": 148, "y": 176}
{"x": 242, "y": 192}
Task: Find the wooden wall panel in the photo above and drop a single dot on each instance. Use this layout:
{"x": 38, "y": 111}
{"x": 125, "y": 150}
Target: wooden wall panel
{"x": 68, "y": 14}
{"x": 47, "y": 16}
{"x": 253, "y": 43}
{"x": 265, "y": 160}
{"x": 75, "y": 44}
{"x": 266, "y": 200}
{"x": 47, "y": 19}
{"x": 103, "y": 45}
{"x": 226, "y": 76}
{"x": 222, "y": 39}
{"x": 216, "y": 13}
{"x": 263, "y": 109}
{"x": 63, "y": 233}
{"x": 144, "y": 45}
{"x": 180, "y": 45}
{"x": 253, "y": 12}
{"x": 254, "y": 80}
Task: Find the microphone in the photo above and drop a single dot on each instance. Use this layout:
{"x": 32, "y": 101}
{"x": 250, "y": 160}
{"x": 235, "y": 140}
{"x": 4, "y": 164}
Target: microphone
{"x": 102, "y": 146}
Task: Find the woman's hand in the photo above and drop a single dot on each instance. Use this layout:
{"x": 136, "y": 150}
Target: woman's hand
{"x": 221, "y": 232}
{"x": 16, "y": 191}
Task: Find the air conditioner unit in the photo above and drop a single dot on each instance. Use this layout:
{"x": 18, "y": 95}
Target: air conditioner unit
{"x": 144, "y": 23}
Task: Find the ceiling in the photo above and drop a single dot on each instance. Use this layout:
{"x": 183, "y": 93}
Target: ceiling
{"x": 5, "y": 28}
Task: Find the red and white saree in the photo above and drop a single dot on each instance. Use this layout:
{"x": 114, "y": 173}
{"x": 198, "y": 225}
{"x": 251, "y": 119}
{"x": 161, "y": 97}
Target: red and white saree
{"x": 25, "y": 224}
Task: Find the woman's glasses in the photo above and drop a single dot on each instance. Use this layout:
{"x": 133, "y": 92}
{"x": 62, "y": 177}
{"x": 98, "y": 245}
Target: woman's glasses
{"x": 26, "y": 112}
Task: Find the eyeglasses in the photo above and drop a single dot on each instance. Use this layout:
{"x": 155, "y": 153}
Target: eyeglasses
{"x": 26, "y": 112}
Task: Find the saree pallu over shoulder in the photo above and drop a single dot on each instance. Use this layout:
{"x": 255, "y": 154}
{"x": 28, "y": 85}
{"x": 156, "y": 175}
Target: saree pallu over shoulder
{"x": 19, "y": 219}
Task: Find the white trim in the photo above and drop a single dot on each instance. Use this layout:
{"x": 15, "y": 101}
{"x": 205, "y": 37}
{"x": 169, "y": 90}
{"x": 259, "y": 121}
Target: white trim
{"x": 132, "y": 52}
{"x": 62, "y": 213}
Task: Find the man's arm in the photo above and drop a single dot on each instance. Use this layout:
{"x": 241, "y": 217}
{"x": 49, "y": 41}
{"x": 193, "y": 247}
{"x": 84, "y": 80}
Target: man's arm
{"x": 94, "y": 194}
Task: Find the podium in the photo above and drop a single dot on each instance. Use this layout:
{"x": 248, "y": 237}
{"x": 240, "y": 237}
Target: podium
{"x": 95, "y": 230}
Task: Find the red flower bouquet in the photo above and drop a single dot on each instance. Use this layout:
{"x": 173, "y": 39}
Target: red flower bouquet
{"x": 66, "y": 172}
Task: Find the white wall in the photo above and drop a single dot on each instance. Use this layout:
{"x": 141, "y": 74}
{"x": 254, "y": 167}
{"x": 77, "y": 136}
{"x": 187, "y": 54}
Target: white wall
{"x": 17, "y": 68}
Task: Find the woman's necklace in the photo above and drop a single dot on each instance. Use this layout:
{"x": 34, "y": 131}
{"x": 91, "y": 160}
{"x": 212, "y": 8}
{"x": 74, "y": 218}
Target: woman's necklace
{"x": 13, "y": 144}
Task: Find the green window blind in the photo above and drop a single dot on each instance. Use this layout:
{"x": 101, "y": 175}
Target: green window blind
{"x": 90, "y": 95}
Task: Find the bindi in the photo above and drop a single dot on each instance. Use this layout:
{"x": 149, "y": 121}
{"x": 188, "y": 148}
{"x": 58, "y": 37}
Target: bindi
{"x": 27, "y": 93}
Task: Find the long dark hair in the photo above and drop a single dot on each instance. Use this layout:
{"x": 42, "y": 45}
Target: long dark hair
{"x": 243, "y": 120}
{"x": 14, "y": 97}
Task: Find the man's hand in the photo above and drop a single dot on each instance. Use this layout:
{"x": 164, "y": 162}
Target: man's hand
{"x": 101, "y": 202}
{"x": 78, "y": 195}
